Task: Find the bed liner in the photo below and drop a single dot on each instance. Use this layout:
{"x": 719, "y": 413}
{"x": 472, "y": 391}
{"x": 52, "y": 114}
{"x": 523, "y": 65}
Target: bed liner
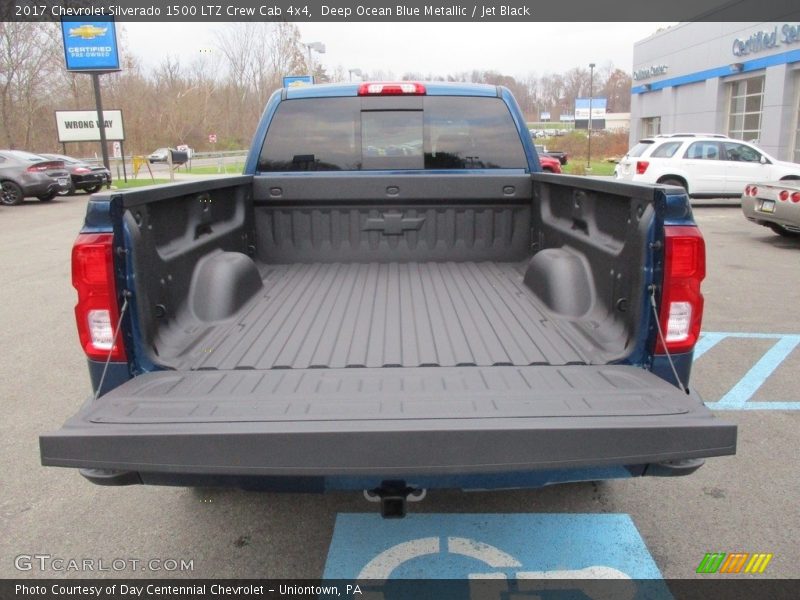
{"x": 323, "y": 315}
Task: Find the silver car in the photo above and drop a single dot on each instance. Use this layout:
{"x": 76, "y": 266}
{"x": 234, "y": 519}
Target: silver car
{"x": 775, "y": 205}
{"x": 24, "y": 174}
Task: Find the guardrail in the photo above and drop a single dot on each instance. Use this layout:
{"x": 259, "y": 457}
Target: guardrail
{"x": 221, "y": 161}
{"x": 195, "y": 155}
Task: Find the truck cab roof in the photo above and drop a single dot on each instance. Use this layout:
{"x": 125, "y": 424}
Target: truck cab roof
{"x": 432, "y": 88}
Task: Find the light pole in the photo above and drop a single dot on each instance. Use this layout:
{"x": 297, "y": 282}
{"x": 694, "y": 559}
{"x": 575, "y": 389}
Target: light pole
{"x": 319, "y": 47}
{"x": 589, "y": 150}
{"x": 356, "y": 72}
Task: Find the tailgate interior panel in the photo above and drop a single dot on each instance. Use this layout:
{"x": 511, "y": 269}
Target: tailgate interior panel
{"x": 388, "y": 421}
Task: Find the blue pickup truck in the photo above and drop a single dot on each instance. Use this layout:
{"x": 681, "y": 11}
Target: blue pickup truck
{"x": 393, "y": 297}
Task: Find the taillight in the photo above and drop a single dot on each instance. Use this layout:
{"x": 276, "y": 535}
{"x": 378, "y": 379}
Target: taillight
{"x": 681, "y": 301}
{"x": 81, "y": 170}
{"x": 641, "y": 166}
{"x": 784, "y": 195}
{"x": 754, "y": 191}
{"x": 796, "y": 197}
{"x": 747, "y": 191}
{"x": 45, "y": 165}
{"x": 97, "y": 312}
{"x": 391, "y": 89}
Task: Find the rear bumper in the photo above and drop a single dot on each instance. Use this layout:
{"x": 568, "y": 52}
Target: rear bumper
{"x": 486, "y": 481}
{"x": 340, "y": 423}
{"x": 91, "y": 180}
{"x": 41, "y": 184}
{"x": 786, "y": 214}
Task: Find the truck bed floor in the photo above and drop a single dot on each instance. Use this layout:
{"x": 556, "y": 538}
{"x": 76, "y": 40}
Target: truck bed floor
{"x": 338, "y": 315}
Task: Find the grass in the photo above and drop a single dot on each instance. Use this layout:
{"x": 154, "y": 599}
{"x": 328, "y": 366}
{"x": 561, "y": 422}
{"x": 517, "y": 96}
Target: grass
{"x": 213, "y": 169}
{"x": 550, "y": 125}
{"x": 134, "y": 183}
{"x": 577, "y": 166}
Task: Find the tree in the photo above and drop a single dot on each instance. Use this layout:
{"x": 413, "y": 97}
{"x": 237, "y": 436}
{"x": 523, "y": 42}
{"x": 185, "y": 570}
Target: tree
{"x": 30, "y": 59}
{"x": 255, "y": 58}
{"x": 617, "y": 89}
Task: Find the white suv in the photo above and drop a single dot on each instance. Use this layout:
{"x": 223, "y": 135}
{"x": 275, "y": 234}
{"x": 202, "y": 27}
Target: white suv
{"x": 704, "y": 164}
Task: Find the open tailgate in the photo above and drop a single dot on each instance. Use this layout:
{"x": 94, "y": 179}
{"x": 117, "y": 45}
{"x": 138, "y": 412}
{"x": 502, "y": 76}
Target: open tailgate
{"x": 388, "y": 421}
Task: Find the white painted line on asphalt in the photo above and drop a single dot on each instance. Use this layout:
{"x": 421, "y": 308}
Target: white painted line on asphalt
{"x": 491, "y": 555}
{"x": 381, "y": 566}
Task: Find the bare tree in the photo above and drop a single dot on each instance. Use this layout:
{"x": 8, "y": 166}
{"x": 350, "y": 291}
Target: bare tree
{"x": 29, "y": 59}
{"x": 222, "y": 92}
{"x": 617, "y": 89}
{"x": 286, "y": 52}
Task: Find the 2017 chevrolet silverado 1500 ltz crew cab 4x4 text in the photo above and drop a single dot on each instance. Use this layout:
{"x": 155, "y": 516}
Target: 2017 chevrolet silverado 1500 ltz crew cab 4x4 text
{"x": 392, "y": 297}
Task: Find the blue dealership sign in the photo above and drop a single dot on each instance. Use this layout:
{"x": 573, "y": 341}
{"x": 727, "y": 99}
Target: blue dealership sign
{"x": 298, "y": 80}
{"x": 90, "y": 45}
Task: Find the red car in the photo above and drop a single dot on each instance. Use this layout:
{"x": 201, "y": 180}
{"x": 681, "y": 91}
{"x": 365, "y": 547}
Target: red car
{"x": 550, "y": 164}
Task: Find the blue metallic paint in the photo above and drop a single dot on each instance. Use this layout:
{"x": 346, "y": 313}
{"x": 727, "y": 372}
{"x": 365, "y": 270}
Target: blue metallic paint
{"x": 117, "y": 374}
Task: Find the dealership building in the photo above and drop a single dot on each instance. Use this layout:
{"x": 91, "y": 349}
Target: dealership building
{"x": 740, "y": 79}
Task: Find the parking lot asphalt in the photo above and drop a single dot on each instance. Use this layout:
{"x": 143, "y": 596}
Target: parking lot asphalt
{"x": 745, "y": 503}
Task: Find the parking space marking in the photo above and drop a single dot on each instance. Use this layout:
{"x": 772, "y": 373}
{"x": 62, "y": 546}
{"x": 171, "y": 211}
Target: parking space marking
{"x": 509, "y": 547}
{"x": 738, "y": 397}
{"x": 706, "y": 342}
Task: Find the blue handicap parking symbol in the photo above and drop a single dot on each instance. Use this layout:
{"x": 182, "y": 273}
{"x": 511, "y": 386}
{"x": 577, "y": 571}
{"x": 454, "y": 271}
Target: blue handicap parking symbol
{"x": 510, "y": 547}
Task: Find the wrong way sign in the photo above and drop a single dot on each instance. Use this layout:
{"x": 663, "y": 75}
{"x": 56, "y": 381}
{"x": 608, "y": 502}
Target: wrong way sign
{"x": 84, "y": 125}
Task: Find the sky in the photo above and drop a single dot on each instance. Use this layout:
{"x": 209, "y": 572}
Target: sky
{"x": 517, "y": 49}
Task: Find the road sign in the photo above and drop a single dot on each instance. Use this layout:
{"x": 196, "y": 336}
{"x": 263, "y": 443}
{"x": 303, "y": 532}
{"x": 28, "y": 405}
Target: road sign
{"x": 298, "y": 80}
{"x": 212, "y": 138}
{"x": 84, "y": 125}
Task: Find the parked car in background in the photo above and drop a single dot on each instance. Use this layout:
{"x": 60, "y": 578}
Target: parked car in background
{"x": 83, "y": 175}
{"x": 705, "y": 165}
{"x": 158, "y": 155}
{"x": 549, "y": 164}
{"x": 557, "y": 154}
{"x": 161, "y": 155}
{"x": 24, "y": 174}
{"x": 775, "y": 205}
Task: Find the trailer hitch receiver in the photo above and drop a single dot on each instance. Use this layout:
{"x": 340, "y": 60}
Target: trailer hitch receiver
{"x": 394, "y": 496}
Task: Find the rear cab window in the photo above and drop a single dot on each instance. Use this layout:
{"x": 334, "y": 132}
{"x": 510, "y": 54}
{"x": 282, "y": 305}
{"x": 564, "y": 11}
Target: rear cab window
{"x": 639, "y": 148}
{"x": 409, "y": 133}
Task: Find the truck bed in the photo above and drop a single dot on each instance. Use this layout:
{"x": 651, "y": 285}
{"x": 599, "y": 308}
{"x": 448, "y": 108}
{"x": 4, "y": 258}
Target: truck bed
{"x": 274, "y": 274}
{"x": 418, "y": 314}
{"x": 403, "y": 326}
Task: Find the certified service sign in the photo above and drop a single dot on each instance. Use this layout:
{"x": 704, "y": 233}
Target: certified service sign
{"x": 90, "y": 45}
